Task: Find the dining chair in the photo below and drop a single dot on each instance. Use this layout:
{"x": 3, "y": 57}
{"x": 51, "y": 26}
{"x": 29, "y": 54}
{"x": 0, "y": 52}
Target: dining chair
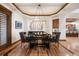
{"x": 32, "y": 41}
{"x": 46, "y": 42}
{"x": 55, "y": 38}
{"x": 23, "y": 38}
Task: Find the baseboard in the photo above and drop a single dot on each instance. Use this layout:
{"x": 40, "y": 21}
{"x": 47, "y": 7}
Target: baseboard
{"x": 9, "y": 49}
{"x": 62, "y": 40}
{"x": 15, "y": 42}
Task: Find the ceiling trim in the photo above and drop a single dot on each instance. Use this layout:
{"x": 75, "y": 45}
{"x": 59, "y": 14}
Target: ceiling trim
{"x": 71, "y": 19}
{"x": 41, "y": 15}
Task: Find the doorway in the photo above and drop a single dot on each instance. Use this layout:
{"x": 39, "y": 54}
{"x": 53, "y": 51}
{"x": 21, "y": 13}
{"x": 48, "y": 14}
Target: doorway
{"x": 72, "y": 27}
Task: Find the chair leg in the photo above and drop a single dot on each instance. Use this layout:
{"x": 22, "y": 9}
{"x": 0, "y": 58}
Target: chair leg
{"x": 21, "y": 44}
{"x": 31, "y": 46}
{"x": 57, "y": 44}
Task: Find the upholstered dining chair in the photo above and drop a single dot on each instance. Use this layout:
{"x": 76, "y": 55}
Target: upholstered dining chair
{"x": 56, "y": 38}
{"x": 23, "y": 38}
{"x": 32, "y": 41}
{"x": 46, "y": 42}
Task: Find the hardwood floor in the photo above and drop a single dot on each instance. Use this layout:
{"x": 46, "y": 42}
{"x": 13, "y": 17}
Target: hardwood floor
{"x": 40, "y": 51}
{"x": 70, "y": 47}
{"x": 72, "y": 44}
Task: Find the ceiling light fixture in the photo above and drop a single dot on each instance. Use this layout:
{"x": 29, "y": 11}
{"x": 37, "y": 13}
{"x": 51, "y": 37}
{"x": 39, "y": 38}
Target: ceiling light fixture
{"x": 37, "y": 12}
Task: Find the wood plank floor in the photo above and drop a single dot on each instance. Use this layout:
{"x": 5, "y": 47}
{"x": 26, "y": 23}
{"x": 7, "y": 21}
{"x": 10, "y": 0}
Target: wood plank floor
{"x": 70, "y": 47}
{"x": 72, "y": 44}
{"x": 40, "y": 51}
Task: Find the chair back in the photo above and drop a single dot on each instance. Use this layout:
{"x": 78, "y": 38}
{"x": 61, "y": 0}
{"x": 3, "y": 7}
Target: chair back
{"x": 31, "y": 37}
{"x": 46, "y": 38}
{"x": 22, "y": 36}
{"x": 57, "y": 36}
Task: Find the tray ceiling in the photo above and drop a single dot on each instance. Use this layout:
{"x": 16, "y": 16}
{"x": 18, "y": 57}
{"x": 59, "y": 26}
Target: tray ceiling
{"x": 40, "y": 8}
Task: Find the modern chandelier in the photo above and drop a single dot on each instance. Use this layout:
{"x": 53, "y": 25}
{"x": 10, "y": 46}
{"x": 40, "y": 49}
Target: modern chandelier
{"x": 37, "y": 24}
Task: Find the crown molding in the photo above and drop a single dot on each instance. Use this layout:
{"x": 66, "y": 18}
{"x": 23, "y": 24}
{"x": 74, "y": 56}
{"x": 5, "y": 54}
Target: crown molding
{"x": 42, "y": 14}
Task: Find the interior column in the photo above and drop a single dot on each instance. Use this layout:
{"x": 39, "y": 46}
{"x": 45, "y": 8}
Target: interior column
{"x": 62, "y": 27}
